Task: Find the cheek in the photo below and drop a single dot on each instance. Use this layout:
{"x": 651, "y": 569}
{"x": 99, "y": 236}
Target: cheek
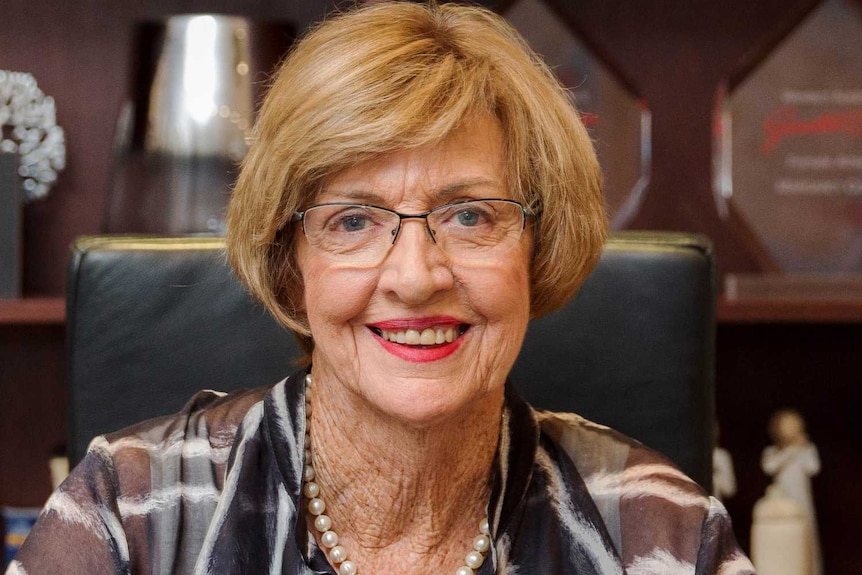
{"x": 500, "y": 293}
{"x": 333, "y": 295}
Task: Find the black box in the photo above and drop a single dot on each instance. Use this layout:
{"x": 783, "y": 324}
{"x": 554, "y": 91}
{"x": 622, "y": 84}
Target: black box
{"x": 10, "y": 227}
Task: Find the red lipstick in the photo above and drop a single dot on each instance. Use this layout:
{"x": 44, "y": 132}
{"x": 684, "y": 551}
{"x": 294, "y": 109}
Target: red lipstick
{"x": 419, "y": 353}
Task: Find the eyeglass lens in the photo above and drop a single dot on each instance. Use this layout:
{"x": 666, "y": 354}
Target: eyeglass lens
{"x": 473, "y": 229}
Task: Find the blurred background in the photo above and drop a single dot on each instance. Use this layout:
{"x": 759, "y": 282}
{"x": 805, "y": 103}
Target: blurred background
{"x": 668, "y": 68}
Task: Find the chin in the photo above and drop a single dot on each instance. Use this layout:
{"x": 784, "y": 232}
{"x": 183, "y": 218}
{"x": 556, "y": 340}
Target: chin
{"x": 425, "y": 405}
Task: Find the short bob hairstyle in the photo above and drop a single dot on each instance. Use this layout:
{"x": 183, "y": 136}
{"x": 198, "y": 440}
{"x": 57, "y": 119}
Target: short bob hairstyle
{"x": 395, "y": 76}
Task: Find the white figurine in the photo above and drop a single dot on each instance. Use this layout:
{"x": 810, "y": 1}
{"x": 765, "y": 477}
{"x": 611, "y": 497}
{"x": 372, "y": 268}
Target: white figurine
{"x": 723, "y": 478}
{"x": 792, "y": 461}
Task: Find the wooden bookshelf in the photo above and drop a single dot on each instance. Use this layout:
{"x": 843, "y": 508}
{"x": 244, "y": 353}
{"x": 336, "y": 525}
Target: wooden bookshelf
{"x": 33, "y": 311}
{"x": 52, "y": 311}
{"x": 33, "y": 386}
{"x": 729, "y": 311}
{"x": 776, "y": 298}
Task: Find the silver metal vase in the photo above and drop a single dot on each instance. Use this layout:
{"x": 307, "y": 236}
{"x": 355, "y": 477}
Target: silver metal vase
{"x": 195, "y": 82}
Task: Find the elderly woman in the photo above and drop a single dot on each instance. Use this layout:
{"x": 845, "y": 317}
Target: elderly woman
{"x": 419, "y": 188}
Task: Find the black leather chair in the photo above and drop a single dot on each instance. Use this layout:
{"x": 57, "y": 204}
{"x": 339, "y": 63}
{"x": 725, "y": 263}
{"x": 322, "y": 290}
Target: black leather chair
{"x": 152, "y": 320}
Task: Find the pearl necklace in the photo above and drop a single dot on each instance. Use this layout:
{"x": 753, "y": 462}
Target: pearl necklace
{"x": 323, "y": 524}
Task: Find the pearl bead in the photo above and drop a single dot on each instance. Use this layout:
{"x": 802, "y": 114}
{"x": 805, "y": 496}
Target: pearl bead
{"x": 464, "y": 571}
{"x": 322, "y": 523}
{"x": 308, "y": 473}
{"x": 329, "y": 539}
{"x": 347, "y": 568}
{"x": 482, "y": 543}
{"x": 338, "y": 554}
{"x": 316, "y": 506}
{"x": 474, "y": 559}
{"x": 311, "y": 490}
{"x": 307, "y": 379}
{"x": 484, "y": 527}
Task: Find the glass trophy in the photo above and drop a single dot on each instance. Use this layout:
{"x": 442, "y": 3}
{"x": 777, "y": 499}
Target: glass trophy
{"x": 788, "y": 156}
{"x": 618, "y": 121}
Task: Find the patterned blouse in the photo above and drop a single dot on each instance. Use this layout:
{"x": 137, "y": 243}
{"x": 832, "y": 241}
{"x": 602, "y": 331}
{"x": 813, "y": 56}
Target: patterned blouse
{"x": 216, "y": 489}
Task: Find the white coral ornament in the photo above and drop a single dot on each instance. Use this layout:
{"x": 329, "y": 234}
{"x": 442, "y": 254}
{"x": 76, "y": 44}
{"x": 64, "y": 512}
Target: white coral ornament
{"x": 28, "y": 126}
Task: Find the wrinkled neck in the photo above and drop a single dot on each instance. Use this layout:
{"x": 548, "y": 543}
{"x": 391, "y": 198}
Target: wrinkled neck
{"x": 394, "y": 489}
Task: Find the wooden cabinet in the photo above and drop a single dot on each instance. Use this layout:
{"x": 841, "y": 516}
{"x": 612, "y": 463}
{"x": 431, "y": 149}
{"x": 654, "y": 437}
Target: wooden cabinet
{"x": 32, "y": 396}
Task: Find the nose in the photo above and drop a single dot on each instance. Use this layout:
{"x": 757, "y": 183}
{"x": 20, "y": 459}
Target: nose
{"x": 415, "y": 269}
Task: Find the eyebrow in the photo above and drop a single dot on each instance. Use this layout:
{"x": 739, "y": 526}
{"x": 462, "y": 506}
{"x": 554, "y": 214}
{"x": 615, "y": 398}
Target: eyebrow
{"x": 444, "y": 194}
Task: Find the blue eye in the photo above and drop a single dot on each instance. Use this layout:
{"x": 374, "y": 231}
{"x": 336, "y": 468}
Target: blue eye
{"x": 353, "y": 223}
{"x": 467, "y": 218}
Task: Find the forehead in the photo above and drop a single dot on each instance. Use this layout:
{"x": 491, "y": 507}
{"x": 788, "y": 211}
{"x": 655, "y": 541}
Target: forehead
{"x": 469, "y": 163}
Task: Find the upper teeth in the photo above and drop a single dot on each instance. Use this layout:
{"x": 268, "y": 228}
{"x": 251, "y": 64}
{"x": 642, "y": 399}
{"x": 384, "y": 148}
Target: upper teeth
{"x": 428, "y": 336}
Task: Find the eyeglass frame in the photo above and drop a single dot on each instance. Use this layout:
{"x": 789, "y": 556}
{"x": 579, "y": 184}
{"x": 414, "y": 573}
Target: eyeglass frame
{"x": 299, "y": 216}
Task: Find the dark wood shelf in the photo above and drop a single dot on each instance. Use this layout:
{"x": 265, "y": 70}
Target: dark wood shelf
{"x": 791, "y": 298}
{"x": 33, "y": 311}
{"x": 778, "y": 310}
{"x": 52, "y": 311}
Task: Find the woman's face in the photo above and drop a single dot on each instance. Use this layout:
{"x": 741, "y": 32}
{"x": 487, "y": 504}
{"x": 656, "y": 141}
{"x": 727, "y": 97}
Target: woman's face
{"x": 484, "y": 305}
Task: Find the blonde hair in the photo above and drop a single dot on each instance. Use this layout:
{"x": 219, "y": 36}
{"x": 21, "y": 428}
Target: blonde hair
{"x": 395, "y": 76}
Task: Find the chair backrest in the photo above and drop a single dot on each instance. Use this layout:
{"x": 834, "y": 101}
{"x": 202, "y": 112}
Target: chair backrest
{"x": 152, "y": 320}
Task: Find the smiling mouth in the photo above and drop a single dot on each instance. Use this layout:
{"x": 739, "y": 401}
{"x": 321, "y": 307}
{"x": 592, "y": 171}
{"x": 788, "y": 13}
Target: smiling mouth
{"x": 429, "y": 336}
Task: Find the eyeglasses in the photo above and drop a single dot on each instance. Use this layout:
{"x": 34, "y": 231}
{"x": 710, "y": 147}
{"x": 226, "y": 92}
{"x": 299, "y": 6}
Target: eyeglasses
{"x": 363, "y": 234}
